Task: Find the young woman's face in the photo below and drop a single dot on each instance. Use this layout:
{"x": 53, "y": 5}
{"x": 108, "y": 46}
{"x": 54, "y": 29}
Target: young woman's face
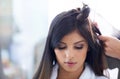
{"x": 71, "y": 52}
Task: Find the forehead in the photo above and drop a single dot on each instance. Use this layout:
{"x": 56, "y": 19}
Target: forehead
{"x": 73, "y": 37}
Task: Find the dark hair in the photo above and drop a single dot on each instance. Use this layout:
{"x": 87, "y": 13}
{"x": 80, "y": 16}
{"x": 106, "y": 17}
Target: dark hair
{"x": 64, "y": 23}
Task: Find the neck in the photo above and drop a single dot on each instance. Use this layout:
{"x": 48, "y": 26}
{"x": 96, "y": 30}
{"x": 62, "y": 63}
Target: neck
{"x": 62, "y": 74}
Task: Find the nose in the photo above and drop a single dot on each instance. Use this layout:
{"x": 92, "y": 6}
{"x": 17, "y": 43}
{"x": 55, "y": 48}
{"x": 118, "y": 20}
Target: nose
{"x": 69, "y": 54}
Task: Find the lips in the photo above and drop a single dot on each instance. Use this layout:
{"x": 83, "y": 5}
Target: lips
{"x": 70, "y": 64}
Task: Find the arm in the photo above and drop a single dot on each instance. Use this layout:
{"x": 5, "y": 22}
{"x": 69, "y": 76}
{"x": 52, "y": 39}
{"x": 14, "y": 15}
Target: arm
{"x": 112, "y": 46}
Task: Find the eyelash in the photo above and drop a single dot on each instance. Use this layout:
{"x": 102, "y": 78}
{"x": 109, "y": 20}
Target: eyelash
{"x": 62, "y": 48}
{"x": 79, "y": 47}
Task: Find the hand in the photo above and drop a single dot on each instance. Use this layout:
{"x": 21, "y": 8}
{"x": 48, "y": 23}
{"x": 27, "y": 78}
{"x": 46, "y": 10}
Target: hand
{"x": 112, "y": 46}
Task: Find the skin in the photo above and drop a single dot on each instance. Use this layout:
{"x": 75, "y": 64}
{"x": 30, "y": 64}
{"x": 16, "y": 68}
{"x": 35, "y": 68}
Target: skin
{"x": 112, "y": 46}
{"x": 71, "y": 54}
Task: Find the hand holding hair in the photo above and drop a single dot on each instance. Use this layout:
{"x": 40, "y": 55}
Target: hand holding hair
{"x": 112, "y": 46}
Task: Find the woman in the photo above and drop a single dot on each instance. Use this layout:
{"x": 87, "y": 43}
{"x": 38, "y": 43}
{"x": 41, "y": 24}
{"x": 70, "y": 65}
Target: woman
{"x": 73, "y": 50}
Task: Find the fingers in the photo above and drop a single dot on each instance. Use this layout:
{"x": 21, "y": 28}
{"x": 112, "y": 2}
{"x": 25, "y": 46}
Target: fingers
{"x": 107, "y": 38}
{"x": 103, "y": 38}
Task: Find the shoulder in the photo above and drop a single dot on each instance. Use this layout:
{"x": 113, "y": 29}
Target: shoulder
{"x": 89, "y": 74}
{"x": 101, "y": 77}
{"x": 54, "y": 72}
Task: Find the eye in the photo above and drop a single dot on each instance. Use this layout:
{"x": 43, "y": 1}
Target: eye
{"x": 61, "y": 46}
{"x": 78, "y": 46}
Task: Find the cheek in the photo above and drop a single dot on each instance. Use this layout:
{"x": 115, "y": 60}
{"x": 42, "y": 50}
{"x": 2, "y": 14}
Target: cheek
{"x": 59, "y": 54}
{"x": 82, "y": 54}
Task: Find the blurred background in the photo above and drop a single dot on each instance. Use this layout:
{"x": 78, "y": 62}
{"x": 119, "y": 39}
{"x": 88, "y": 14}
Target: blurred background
{"x": 24, "y": 26}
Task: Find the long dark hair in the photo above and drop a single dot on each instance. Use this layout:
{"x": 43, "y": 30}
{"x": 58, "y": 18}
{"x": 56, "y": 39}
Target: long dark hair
{"x": 64, "y": 23}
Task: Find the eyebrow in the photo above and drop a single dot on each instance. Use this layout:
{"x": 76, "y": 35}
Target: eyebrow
{"x": 61, "y": 42}
{"x": 75, "y": 42}
{"x": 80, "y": 41}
